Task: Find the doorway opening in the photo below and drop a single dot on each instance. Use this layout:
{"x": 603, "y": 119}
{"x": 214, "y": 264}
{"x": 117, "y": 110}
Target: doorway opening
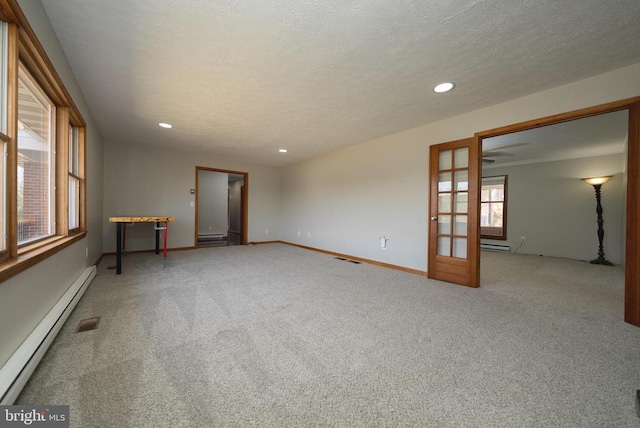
{"x": 626, "y": 178}
{"x": 547, "y": 209}
{"x": 221, "y": 207}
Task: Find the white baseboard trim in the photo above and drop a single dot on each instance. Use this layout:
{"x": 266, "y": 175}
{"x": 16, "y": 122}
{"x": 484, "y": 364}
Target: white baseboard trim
{"x": 495, "y": 247}
{"x": 17, "y": 370}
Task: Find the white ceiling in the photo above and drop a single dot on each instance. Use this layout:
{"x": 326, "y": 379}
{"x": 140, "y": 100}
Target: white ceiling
{"x": 245, "y": 78}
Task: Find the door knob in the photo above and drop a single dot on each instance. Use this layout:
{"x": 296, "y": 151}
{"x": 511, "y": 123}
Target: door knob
{"x": 434, "y": 218}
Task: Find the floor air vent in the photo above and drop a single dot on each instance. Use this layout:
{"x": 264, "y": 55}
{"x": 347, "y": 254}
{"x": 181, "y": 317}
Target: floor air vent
{"x": 347, "y": 260}
{"x": 88, "y": 324}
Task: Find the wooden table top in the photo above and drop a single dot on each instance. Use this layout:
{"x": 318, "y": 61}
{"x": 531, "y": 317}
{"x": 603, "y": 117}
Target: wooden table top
{"x": 140, "y": 219}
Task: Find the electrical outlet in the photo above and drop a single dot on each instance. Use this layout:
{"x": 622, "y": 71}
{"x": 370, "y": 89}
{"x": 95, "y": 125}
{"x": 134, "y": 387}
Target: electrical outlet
{"x": 266, "y": 231}
{"x": 308, "y": 234}
{"x": 522, "y": 239}
{"x": 298, "y": 233}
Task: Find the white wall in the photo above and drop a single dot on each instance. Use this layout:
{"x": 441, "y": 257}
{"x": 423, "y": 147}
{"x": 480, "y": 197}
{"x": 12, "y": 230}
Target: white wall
{"x": 348, "y": 198}
{"x": 27, "y": 297}
{"x": 144, "y": 181}
{"x": 213, "y": 207}
{"x": 555, "y": 210}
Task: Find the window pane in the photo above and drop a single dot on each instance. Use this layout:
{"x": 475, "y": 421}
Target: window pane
{"x": 444, "y": 203}
{"x": 36, "y": 199}
{"x": 460, "y": 226}
{"x": 460, "y": 248}
{"x": 461, "y": 203}
{"x": 462, "y": 157}
{"x": 74, "y": 203}
{"x": 444, "y": 246}
{"x": 74, "y": 180}
{"x": 73, "y": 150}
{"x": 444, "y": 182}
{"x": 495, "y": 214}
{"x": 444, "y": 224}
{"x": 444, "y": 160}
{"x": 492, "y": 207}
{"x": 3, "y": 199}
{"x": 461, "y": 179}
{"x": 484, "y": 215}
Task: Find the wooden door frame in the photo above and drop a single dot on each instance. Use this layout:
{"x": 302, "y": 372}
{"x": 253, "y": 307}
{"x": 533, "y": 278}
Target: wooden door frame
{"x": 632, "y": 246}
{"x": 245, "y": 202}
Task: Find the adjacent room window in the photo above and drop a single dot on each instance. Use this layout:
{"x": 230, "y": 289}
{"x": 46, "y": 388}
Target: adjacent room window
{"x": 36, "y": 161}
{"x": 493, "y": 208}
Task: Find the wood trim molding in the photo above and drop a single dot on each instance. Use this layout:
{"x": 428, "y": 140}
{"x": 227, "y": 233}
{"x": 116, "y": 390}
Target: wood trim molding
{"x": 97, "y": 262}
{"x": 244, "y": 201}
{"x": 195, "y": 211}
{"x": 6, "y": 13}
{"x": 359, "y": 259}
{"x": 113, "y": 253}
{"x": 82, "y": 169}
{"x": 632, "y": 253}
{"x": 559, "y": 118}
{"x": 62, "y": 174}
{"x": 12, "y": 147}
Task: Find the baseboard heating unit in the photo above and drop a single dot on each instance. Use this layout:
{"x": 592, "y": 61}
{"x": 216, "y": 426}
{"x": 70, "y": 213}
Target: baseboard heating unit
{"x": 17, "y": 370}
{"x": 203, "y": 237}
{"x": 495, "y": 247}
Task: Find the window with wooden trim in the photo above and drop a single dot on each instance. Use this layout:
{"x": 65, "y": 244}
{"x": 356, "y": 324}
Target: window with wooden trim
{"x": 42, "y": 138}
{"x": 36, "y": 161}
{"x": 493, "y": 208}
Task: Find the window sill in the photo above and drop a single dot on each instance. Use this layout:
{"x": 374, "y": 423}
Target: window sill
{"x": 33, "y": 254}
{"x": 495, "y": 238}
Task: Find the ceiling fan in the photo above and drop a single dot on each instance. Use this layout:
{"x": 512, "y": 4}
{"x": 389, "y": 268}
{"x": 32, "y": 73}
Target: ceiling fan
{"x": 499, "y": 151}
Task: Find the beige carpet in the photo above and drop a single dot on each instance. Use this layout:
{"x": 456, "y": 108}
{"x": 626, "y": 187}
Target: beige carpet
{"x": 273, "y": 336}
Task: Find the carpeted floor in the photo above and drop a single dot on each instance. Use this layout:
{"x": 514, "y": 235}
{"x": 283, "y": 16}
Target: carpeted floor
{"x": 274, "y": 335}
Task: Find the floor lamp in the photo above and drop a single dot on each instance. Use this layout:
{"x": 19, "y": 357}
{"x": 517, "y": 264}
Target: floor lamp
{"x": 597, "y": 183}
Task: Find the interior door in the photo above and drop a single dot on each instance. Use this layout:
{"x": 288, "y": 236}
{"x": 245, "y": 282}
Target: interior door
{"x": 454, "y": 244}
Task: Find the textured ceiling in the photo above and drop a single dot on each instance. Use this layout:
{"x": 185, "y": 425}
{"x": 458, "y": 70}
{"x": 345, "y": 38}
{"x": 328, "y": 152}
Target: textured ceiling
{"x": 244, "y": 78}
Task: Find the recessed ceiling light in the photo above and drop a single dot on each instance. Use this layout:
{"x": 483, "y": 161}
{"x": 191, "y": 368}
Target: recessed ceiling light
{"x": 443, "y": 87}
{"x": 165, "y": 125}
{"x": 283, "y": 150}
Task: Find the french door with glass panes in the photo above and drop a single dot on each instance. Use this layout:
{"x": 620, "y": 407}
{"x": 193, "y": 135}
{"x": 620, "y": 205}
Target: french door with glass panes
{"x": 453, "y": 212}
